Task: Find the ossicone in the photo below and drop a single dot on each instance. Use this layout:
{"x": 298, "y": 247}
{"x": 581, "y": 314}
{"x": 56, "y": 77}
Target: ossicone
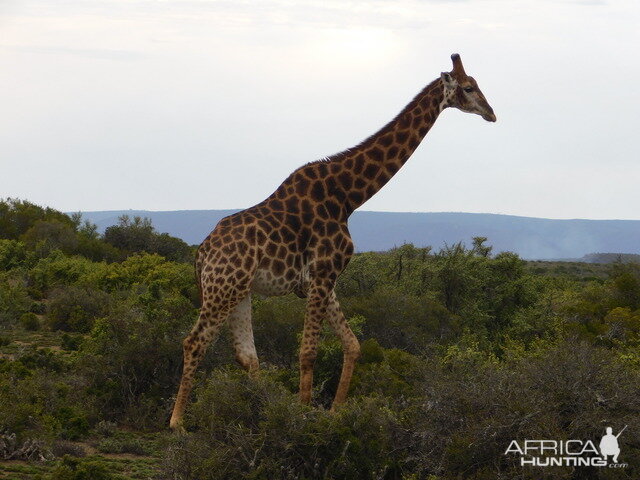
{"x": 458, "y": 69}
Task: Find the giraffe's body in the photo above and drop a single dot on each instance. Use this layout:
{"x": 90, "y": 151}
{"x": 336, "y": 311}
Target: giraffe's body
{"x": 297, "y": 240}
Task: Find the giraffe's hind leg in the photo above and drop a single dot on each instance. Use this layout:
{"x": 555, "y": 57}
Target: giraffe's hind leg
{"x": 203, "y": 334}
{"x": 220, "y": 297}
{"x": 242, "y": 335}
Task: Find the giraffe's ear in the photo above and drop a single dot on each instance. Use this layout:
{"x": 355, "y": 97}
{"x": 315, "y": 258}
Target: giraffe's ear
{"x": 448, "y": 80}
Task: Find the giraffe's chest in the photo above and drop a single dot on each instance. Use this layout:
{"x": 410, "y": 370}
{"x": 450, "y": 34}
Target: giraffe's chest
{"x": 271, "y": 282}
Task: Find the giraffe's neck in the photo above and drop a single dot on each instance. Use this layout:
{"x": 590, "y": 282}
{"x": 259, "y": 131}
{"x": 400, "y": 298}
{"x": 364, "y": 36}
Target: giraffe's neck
{"x": 366, "y": 168}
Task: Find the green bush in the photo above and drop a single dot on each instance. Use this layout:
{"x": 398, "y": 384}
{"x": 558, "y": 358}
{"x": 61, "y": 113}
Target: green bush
{"x": 18, "y": 216}
{"x": 46, "y": 236}
{"x": 14, "y": 299}
{"x": 388, "y": 372}
{"x": 122, "y": 445}
{"x": 70, "y": 468}
{"x": 133, "y": 357}
{"x": 138, "y": 235}
{"x": 248, "y": 428}
{"x": 458, "y": 419}
{"x": 106, "y": 428}
{"x": 71, "y": 342}
{"x": 59, "y": 270}
{"x": 75, "y": 309}
{"x": 41, "y": 359}
{"x": 73, "y": 422}
{"x": 38, "y": 308}
{"x": 276, "y": 326}
{"x": 145, "y": 270}
{"x": 30, "y": 321}
{"x": 12, "y": 254}
{"x": 60, "y": 448}
{"x": 38, "y": 399}
{"x": 398, "y": 320}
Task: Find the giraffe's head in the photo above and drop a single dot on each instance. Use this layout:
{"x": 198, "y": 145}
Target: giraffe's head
{"x": 462, "y": 92}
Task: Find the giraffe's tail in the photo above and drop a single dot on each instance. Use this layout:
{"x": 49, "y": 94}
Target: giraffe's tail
{"x": 198, "y": 272}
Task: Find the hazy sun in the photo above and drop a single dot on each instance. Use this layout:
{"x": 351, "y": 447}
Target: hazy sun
{"x": 353, "y": 46}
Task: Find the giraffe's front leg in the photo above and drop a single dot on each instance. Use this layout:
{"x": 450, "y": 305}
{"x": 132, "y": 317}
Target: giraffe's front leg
{"x": 317, "y": 301}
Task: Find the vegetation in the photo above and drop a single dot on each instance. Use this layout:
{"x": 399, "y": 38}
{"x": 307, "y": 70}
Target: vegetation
{"x": 462, "y": 352}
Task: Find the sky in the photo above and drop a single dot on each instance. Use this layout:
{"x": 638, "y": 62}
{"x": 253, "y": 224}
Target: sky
{"x": 202, "y": 104}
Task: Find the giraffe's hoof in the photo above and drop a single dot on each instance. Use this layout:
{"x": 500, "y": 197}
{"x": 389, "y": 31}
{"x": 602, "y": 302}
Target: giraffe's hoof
{"x": 177, "y": 427}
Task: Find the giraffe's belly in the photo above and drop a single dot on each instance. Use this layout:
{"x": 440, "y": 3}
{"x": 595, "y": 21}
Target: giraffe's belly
{"x": 265, "y": 282}
{"x": 270, "y": 285}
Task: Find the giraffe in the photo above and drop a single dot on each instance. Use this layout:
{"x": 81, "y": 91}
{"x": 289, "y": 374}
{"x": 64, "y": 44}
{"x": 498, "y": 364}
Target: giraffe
{"x": 297, "y": 240}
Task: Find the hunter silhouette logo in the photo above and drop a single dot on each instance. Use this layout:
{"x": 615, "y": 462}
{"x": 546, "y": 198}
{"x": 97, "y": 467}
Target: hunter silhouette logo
{"x": 569, "y": 453}
{"x": 609, "y": 444}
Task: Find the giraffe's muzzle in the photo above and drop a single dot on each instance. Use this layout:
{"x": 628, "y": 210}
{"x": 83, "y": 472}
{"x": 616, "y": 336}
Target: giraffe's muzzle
{"x": 489, "y": 117}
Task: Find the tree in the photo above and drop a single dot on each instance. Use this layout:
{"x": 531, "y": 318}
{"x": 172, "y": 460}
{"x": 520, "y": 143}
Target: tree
{"x": 18, "y": 216}
{"x": 139, "y": 235}
{"x": 130, "y": 235}
{"x": 46, "y": 236}
{"x": 626, "y": 283}
{"x": 480, "y": 249}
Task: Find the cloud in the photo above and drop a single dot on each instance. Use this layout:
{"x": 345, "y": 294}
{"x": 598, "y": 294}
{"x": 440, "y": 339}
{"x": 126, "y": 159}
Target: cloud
{"x": 588, "y": 2}
{"x": 96, "y": 53}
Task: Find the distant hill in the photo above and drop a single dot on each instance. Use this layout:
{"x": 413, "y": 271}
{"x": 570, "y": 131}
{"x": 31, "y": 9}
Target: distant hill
{"x": 611, "y": 258}
{"x": 531, "y": 238}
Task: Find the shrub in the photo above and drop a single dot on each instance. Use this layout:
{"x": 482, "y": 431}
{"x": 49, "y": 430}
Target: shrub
{"x": 398, "y": 320}
{"x": 75, "y": 309}
{"x": 139, "y": 235}
{"x": 14, "y": 299}
{"x": 38, "y": 308}
{"x": 276, "y": 326}
{"x": 30, "y": 321}
{"x": 133, "y": 357}
{"x": 74, "y": 423}
{"x": 106, "y": 428}
{"x": 148, "y": 269}
{"x": 388, "y": 372}
{"x": 70, "y": 468}
{"x": 457, "y": 423}
{"x": 122, "y": 445}
{"x": 58, "y": 270}
{"x": 91, "y": 246}
{"x": 18, "y": 216}
{"x": 471, "y": 411}
{"x": 248, "y": 428}
{"x": 71, "y": 342}
{"x": 12, "y": 254}
{"x": 47, "y": 236}
{"x": 39, "y": 399}
{"x": 61, "y": 448}
{"x": 41, "y": 358}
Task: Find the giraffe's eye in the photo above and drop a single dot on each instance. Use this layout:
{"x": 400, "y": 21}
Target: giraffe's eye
{"x": 468, "y": 89}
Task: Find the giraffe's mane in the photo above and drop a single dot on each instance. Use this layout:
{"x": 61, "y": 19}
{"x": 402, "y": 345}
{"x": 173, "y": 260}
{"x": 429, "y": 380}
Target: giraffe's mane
{"x": 342, "y": 154}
